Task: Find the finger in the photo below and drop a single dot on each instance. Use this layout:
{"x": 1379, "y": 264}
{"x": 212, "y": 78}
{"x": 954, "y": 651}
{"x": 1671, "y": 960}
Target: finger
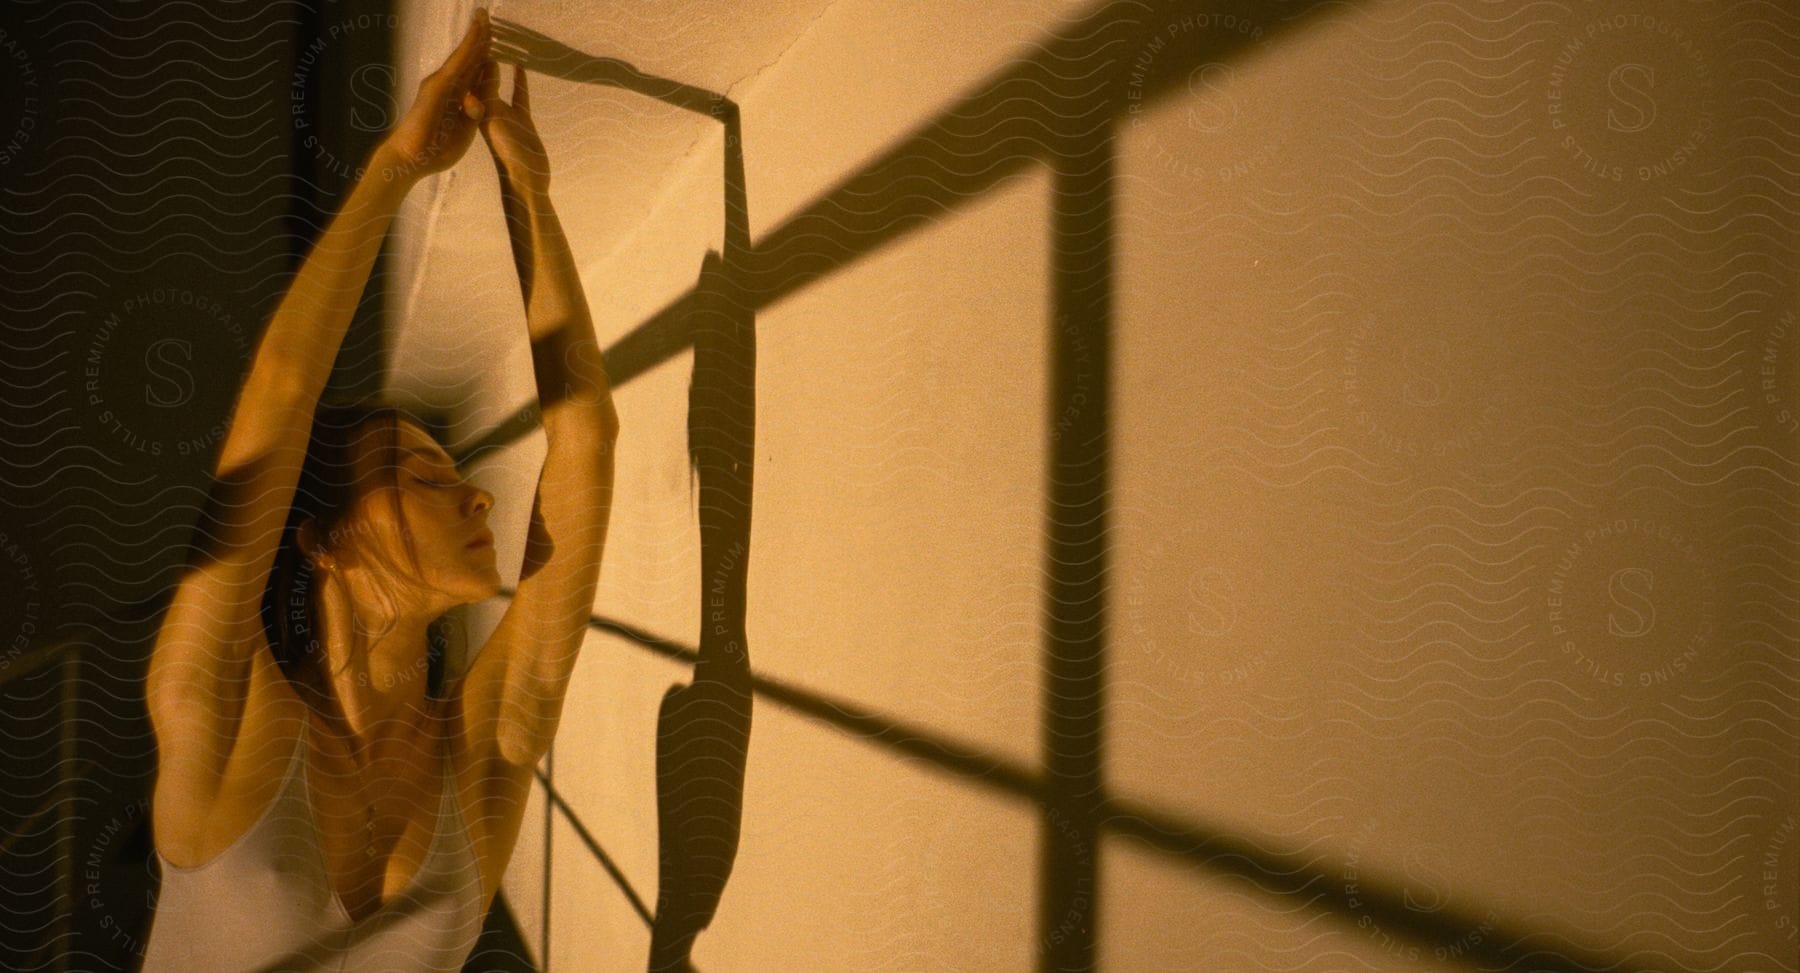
{"x": 472, "y": 106}
{"x": 521, "y": 93}
{"x": 469, "y": 53}
{"x": 487, "y": 83}
{"x": 457, "y": 72}
{"x": 507, "y": 50}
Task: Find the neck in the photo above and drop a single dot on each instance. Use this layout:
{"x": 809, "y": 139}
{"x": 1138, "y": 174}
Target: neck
{"x": 375, "y": 656}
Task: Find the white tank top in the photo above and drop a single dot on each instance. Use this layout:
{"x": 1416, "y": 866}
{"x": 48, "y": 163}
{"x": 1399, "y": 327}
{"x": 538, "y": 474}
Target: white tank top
{"x": 266, "y": 904}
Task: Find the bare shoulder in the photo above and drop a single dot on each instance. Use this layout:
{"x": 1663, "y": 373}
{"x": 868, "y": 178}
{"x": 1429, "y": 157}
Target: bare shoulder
{"x": 192, "y": 825}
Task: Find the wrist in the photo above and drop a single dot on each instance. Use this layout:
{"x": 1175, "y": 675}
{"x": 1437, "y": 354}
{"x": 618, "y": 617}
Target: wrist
{"x": 532, "y": 188}
{"x": 389, "y": 166}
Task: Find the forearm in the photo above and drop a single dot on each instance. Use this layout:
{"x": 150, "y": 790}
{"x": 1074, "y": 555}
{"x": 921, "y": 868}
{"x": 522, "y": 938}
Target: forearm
{"x": 541, "y": 635}
{"x": 572, "y": 383}
{"x": 294, "y": 358}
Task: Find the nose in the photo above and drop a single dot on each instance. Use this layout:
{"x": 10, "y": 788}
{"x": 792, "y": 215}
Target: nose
{"x": 480, "y": 500}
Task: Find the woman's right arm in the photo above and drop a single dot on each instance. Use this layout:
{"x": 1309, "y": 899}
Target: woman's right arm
{"x": 211, "y": 635}
{"x": 200, "y": 665}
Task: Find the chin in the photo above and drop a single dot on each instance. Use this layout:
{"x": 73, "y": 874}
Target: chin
{"x": 488, "y": 587}
{"x": 476, "y": 588}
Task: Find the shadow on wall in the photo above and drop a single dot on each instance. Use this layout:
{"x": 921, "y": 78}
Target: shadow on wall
{"x": 1044, "y": 109}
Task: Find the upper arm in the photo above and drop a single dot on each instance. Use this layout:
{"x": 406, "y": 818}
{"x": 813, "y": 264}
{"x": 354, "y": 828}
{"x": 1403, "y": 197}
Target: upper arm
{"x": 511, "y": 697}
{"x": 211, "y": 635}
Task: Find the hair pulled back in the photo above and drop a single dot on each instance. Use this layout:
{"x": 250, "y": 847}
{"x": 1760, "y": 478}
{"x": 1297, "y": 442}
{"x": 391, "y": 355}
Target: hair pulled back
{"x": 326, "y": 487}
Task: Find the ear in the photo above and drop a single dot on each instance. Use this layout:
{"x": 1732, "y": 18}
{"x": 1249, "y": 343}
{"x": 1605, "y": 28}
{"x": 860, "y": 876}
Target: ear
{"x": 306, "y": 535}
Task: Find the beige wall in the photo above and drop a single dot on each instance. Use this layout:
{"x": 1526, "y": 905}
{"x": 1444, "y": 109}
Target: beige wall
{"x": 1390, "y": 353}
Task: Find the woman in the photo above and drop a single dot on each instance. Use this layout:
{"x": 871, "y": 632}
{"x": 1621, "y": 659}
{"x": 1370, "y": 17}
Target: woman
{"x": 315, "y": 807}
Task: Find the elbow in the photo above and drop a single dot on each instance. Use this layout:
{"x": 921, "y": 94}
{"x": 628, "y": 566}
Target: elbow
{"x": 514, "y": 737}
{"x": 605, "y": 416}
{"x": 585, "y": 420}
{"x": 518, "y": 746}
{"x": 609, "y": 426}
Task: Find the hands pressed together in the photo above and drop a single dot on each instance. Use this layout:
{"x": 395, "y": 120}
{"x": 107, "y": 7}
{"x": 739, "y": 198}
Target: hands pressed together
{"x": 460, "y": 96}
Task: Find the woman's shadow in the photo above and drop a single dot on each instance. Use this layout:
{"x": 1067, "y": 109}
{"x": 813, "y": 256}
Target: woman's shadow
{"x": 703, "y": 728}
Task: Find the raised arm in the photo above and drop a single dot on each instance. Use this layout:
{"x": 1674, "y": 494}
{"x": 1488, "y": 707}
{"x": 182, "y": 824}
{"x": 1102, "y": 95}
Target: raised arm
{"x": 512, "y": 696}
{"x": 211, "y": 634}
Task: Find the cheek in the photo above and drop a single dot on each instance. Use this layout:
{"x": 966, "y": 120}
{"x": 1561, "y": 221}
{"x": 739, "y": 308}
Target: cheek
{"x": 430, "y": 519}
{"x": 381, "y": 530}
{"x": 364, "y": 529}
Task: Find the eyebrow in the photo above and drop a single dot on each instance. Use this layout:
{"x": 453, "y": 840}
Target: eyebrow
{"x": 435, "y": 457}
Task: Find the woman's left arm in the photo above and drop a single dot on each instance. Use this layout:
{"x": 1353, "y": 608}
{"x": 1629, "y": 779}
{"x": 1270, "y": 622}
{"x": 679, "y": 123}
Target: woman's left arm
{"x": 513, "y": 691}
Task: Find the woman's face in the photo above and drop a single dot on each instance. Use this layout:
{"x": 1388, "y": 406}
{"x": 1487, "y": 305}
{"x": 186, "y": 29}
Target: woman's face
{"x": 445, "y": 515}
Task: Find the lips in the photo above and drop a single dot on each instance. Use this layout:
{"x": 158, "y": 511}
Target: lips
{"x": 484, "y": 539}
